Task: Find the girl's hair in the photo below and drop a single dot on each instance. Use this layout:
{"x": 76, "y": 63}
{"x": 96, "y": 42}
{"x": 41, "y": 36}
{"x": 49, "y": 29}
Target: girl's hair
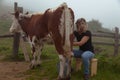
{"x": 81, "y": 21}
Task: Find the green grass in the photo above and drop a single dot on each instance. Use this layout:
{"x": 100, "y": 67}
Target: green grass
{"x": 6, "y": 46}
{"x": 108, "y": 66}
{"x": 48, "y": 69}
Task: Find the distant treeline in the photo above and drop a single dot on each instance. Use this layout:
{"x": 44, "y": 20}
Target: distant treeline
{"x": 95, "y": 26}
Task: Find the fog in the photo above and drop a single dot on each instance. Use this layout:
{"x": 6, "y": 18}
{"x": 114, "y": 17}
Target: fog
{"x": 106, "y": 11}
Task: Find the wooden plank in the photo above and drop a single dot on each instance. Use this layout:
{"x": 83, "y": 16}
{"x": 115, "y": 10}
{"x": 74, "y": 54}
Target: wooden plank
{"x": 110, "y": 33}
{"x": 102, "y": 35}
{"x": 6, "y": 36}
{"x": 103, "y": 43}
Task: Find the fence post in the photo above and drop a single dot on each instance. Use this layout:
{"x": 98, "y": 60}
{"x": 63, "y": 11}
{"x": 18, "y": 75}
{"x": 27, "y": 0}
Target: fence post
{"x": 15, "y": 6}
{"x": 16, "y": 44}
{"x": 16, "y": 38}
{"x": 116, "y": 46}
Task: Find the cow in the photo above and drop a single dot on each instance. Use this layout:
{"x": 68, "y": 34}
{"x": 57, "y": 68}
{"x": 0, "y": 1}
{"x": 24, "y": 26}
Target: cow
{"x": 59, "y": 23}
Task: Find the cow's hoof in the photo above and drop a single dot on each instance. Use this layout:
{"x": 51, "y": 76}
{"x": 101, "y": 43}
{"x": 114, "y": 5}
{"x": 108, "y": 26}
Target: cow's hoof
{"x": 61, "y": 79}
{"x": 38, "y": 65}
{"x": 32, "y": 66}
{"x": 67, "y": 78}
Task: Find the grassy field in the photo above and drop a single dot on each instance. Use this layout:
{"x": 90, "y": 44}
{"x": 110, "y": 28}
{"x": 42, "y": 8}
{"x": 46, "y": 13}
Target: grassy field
{"x": 108, "y": 66}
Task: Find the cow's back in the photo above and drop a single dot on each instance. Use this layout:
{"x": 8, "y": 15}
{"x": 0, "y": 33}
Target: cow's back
{"x": 37, "y": 26}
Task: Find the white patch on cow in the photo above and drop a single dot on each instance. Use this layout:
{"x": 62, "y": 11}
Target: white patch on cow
{"x": 62, "y": 21}
{"x": 15, "y": 27}
{"x": 31, "y": 41}
{"x": 40, "y": 45}
{"x": 62, "y": 64}
{"x": 52, "y": 9}
{"x": 38, "y": 13}
{"x": 61, "y": 25}
{"x": 28, "y": 15}
{"x": 39, "y": 52}
{"x": 64, "y": 4}
{"x": 66, "y": 26}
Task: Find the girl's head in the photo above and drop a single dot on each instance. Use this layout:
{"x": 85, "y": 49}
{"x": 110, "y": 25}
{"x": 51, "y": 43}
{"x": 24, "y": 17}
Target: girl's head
{"x": 81, "y": 25}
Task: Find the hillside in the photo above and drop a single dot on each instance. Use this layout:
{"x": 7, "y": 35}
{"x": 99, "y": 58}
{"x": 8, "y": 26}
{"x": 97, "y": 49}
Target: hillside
{"x": 5, "y": 18}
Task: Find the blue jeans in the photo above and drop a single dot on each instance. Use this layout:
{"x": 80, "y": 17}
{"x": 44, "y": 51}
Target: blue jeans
{"x": 85, "y": 56}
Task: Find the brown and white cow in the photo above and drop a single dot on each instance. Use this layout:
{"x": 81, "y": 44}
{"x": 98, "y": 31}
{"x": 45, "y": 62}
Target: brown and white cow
{"x": 58, "y": 23}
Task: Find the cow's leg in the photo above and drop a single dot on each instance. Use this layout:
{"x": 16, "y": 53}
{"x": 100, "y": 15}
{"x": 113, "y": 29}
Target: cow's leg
{"x": 39, "y": 54}
{"x": 36, "y": 46}
{"x": 39, "y": 51}
{"x": 68, "y": 72}
{"x": 33, "y": 49}
{"x": 69, "y": 59}
{"x": 34, "y": 54}
{"x": 62, "y": 66}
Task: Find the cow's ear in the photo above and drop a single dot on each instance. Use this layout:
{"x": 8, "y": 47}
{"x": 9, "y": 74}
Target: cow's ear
{"x": 17, "y": 14}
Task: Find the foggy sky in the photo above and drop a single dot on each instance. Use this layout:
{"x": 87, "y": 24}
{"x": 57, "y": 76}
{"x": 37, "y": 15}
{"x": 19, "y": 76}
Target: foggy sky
{"x": 106, "y": 11}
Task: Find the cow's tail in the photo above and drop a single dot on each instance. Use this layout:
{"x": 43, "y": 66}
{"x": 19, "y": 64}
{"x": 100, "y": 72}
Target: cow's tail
{"x": 68, "y": 26}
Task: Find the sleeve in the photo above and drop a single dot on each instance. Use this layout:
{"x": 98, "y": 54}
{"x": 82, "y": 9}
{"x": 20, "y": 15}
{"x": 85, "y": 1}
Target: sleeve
{"x": 88, "y": 33}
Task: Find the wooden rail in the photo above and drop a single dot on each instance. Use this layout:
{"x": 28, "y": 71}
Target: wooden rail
{"x": 6, "y": 36}
{"x": 115, "y": 36}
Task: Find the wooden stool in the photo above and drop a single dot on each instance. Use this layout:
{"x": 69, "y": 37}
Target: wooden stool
{"x": 93, "y": 65}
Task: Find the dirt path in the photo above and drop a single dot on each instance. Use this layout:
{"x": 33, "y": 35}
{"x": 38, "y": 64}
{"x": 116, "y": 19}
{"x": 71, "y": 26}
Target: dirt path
{"x": 13, "y": 70}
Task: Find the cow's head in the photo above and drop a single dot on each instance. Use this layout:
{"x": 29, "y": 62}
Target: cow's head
{"x": 17, "y": 17}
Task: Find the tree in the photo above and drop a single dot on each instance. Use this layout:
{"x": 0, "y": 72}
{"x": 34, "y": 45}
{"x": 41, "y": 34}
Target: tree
{"x": 94, "y": 25}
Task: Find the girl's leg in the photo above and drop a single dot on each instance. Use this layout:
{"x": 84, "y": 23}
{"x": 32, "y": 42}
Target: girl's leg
{"x": 77, "y": 53}
{"x": 86, "y": 56}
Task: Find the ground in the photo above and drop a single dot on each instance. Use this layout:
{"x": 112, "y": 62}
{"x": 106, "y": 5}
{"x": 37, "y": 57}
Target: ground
{"x": 13, "y": 70}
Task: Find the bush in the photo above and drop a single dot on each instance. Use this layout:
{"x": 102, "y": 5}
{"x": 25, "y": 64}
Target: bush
{"x": 109, "y": 63}
{"x": 116, "y": 64}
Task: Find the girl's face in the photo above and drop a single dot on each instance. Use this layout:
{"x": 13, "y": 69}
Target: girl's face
{"x": 81, "y": 26}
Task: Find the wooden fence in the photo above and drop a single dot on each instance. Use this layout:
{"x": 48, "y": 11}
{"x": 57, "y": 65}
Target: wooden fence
{"x": 115, "y": 36}
{"x": 16, "y": 36}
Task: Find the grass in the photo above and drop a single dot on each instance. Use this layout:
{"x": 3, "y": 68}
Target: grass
{"x": 6, "y": 46}
{"x": 108, "y": 66}
{"x": 48, "y": 69}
